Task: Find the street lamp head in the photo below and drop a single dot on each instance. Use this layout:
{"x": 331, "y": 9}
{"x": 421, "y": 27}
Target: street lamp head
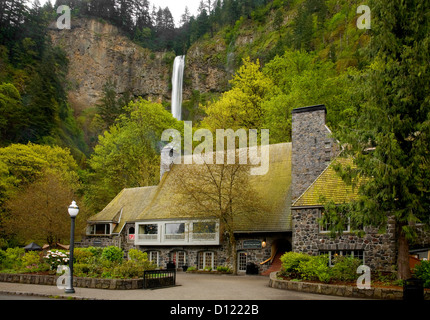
{"x": 73, "y": 209}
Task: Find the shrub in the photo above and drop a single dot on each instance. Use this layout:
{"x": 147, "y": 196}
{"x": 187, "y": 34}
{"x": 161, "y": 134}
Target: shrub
{"x": 56, "y": 258}
{"x": 82, "y": 255}
{"x": 192, "y": 268}
{"x": 81, "y": 269}
{"x": 31, "y": 261}
{"x": 2, "y": 256}
{"x": 223, "y": 269}
{"x": 291, "y": 261}
{"x": 137, "y": 255}
{"x": 345, "y": 268}
{"x": 112, "y": 254}
{"x": 422, "y": 271}
{"x": 315, "y": 268}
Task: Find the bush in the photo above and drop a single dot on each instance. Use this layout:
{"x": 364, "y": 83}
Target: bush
{"x": 223, "y": 269}
{"x": 422, "y": 271}
{"x": 112, "y": 254}
{"x": 56, "y": 258}
{"x": 291, "y": 261}
{"x": 137, "y": 255}
{"x": 81, "y": 269}
{"x": 315, "y": 268}
{"x": 11, "y": 258}
{"x": 82, "y": 255}
{"x": 345, "y": 268}
{"x": 31, "y": 261}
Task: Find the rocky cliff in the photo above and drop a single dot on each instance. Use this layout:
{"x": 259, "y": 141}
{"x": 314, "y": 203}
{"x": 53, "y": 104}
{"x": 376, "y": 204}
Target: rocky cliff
{"x": 98, "y": 52}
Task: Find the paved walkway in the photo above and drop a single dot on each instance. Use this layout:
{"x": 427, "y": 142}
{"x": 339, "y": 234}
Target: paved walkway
{"x": 189, "y": 287}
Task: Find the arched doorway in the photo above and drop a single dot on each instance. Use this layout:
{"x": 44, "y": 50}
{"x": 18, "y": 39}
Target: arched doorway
{"x": 279, "y": 247}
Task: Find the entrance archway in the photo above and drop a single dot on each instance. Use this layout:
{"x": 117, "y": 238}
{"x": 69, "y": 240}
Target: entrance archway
{"x": 279, "y": 247}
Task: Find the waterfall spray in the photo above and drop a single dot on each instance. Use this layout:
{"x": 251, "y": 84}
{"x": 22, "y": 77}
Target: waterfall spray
{"x": 177, "y": 79}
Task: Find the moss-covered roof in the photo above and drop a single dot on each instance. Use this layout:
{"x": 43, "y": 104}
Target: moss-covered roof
{"x": 126, "y": 206}
{"x": 167, "y": 201}
{"x": 329, "y": 186}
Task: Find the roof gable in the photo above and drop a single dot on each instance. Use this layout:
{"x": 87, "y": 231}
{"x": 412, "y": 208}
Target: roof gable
{"x": 328, "y": 186}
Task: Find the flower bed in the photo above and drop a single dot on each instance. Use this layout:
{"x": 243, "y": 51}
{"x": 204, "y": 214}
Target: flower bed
{"x": 89, "y": 262}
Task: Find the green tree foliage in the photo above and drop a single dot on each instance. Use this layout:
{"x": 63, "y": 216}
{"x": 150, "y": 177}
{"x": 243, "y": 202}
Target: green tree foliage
{"x": 28, "y": 174}
{"x": 390, "y": 133}
{"x": 128, "y": 154}
{"x": 264, "y": 97}
{"x": 241, "y": 107}
{"x": 11, "y": 112}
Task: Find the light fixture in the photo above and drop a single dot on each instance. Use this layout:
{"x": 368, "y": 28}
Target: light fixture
{"x": 73, "y": 209}
{"x": 73, "y": 212}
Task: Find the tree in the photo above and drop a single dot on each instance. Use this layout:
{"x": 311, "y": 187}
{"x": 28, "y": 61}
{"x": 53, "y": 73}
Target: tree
{"x": 219, "y": 191}
{"x": 39, "y": 211}
{"x": 128, "y": 154}
{"x": 22, "y": 166}
{"x": 12, "y": 114}
{"x": 241, "y": 107}
{"x": 389, "y": 135}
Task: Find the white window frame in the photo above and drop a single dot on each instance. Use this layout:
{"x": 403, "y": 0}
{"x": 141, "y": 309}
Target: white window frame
{"x": 202, "y": 263}
{"x": 325, "y": 229}
{"x": 242, "y": 255}
{"x": 186, "y": 238}
{"x": 151, "y": 254}
{"x": 343, "y": 252}
{"x": 179, "y": 257}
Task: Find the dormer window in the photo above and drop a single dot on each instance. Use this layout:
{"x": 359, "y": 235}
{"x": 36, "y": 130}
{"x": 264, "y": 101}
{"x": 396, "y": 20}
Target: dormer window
{"x": 99, "y": 229}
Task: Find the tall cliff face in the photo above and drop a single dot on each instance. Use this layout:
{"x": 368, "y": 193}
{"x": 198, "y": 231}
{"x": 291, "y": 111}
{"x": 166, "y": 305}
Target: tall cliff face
{"x": 99, "y": 53}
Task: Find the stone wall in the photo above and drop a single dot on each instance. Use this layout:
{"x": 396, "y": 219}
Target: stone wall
{"x": 340, "y": 290}
{"x": 379, "y": 249}
{"x": 112, "y": 284}
{"x": 312, "y": 147}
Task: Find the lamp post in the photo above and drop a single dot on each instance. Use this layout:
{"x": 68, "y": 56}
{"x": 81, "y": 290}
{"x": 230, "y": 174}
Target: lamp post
{"x": 73, "y": 212}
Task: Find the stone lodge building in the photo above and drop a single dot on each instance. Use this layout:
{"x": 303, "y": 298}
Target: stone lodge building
{"x": 155, "y": 220}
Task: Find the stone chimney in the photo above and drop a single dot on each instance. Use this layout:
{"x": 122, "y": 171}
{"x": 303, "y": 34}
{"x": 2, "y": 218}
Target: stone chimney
{"x": 168, "y": 156}
{"x": 312, "y": 147}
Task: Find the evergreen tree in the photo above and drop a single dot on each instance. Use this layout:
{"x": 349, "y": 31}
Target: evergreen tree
{"x": 389, "y": 135}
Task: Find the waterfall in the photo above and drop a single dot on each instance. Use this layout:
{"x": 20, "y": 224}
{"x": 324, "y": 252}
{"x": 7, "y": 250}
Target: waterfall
{"x": 177, "y": 78}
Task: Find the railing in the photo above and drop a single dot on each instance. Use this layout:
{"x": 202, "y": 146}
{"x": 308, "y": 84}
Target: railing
{"x": 203, "y": 236}
{"x": 180, "y": 236}
{"x": 152, "y": 237}
{"x": 159, "y": 278}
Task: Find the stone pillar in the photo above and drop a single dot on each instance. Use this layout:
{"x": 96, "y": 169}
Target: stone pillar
{"x": 312, "y": 147}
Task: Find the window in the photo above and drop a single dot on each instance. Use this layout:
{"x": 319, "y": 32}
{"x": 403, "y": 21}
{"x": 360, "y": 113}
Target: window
{"x": 154, "y": 257}
{"x": 206, "y": 260}
{"x": 148, "y": 232}
{"x": 99, "y": 229}
{"x": 359, "y": 254}
{"x": 241, "y": 261}
{"x": 179, "y": 258}
{"x": 325, "y": 228}
{"x": 175, "y": 231}
{"x": 130, "y": 237}
{"x": 204, "y": 230}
